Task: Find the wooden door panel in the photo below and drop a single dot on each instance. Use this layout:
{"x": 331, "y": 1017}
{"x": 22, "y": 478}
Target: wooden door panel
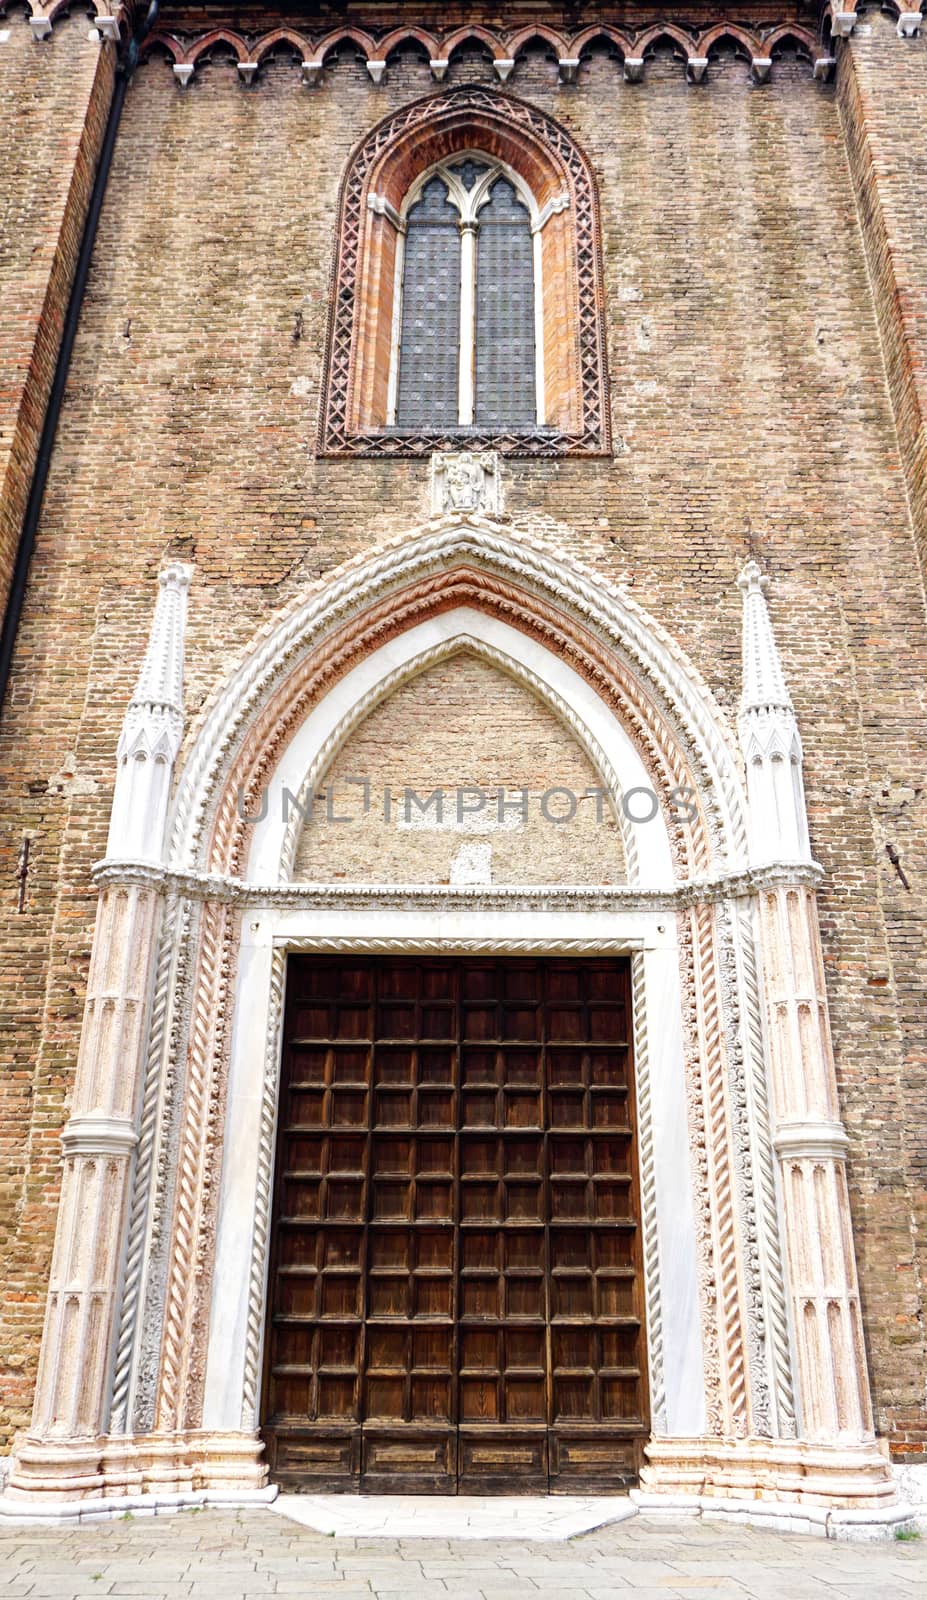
{"x": 502, "y": 1460}
{"x": 455, "y": 1287}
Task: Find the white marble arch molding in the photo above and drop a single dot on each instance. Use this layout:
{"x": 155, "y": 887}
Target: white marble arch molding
{"x": 672, "y": 1289}
{"x": 648, "y": 652}
{"x": 330, "y": 725}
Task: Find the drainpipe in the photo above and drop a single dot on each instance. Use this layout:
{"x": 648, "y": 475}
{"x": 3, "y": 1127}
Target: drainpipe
{"x": 125, "y": 68}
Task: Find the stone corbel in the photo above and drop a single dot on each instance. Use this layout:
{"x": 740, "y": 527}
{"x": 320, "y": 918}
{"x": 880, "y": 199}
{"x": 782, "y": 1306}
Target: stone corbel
{"x": 377, "y": 71}
{"x": 183, "y": 72}
{"x": 554, "y": 207}
{"x": 842, "y": 24}
{"x": 503, "y": 68}
{"x": 439, "y": 68}
{"x": 633, "y": 69}
{"x": 41, "y": 27}
{"x": 760, "y": 68}
{"x": 909, "y": 24}
{"x": 311, "y": 72}
{"x": 696, "y": 67}
{"x": 98, "y": 1135}
{"x": 569, "y": 66}
{"x": 823, "y": 67}
{"x": 107, "y": 28}
{"x": 381, "y": 207}
{"x": 811, "y": 1141}
{"x": 247, "y": 70}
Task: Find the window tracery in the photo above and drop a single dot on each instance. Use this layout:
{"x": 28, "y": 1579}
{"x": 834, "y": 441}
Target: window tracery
{"x": 469, "y": 347}
{"x": 513, "y": 199}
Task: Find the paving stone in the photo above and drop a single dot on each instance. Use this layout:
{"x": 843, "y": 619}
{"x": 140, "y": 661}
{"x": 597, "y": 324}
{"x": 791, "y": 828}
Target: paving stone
{"x": 665, "y": 1562}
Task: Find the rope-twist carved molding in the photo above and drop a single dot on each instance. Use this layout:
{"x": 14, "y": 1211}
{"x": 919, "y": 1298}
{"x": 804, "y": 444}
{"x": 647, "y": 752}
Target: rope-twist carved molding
{"x": 766, "y": 1192}
{"x": 150, "y": 1214}
{"x": 743, "y": 1163}
{"x": 261, "y": 1236}
{"x": 698, "y": 1145}
{"x": 665, "y": 680}
{"x": 667, "y": 766}
{"x": 648, "y": 1185}
{"x": 718, "y": 1145}
{"x": 141, "y": 1191}
{"x": 208, "y": 1008}
{"x": 210, "y": 1169}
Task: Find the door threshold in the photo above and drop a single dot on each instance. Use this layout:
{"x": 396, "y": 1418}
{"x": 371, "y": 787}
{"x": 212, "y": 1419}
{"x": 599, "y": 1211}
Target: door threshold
{"x": 535, "y": 1518}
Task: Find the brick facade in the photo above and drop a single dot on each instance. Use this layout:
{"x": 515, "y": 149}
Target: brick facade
{"x": 766, "y": 367}
{"x": 55, "y": 105}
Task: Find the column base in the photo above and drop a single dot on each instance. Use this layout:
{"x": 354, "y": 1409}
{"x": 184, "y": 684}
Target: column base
{"x": 62, "y": 1479}
{"x": 845, "y": 1490}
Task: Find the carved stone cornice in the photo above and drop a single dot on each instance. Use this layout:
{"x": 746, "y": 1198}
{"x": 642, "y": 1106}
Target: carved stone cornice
{"x": 218, "y": 889}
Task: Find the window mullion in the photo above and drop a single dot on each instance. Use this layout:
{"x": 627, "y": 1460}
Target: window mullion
{"x": 540, "y": 379}
{"x": 392, "y": 397}
{"x": 467, "y": 322}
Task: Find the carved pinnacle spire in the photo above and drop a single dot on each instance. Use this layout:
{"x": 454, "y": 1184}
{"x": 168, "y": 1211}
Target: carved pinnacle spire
{"x": 769, "y": 736}
{"x": 152, "y": 730}
{"x": 764, "y": 686}
{"x": 156, "y": 709}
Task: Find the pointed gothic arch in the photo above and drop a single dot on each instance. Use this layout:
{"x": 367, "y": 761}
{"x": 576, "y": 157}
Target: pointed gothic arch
{"x": 356, "y": 389}
{"x": 614, "y": 644}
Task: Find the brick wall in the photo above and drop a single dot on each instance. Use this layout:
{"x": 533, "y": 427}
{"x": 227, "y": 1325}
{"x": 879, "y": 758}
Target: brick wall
{"x": 462, "y": 724}
{"x": 881, "y": 86}
{"x": 752, "y": 417}
{"x": 882, "y": 97}
{"x": 53, "y": 104}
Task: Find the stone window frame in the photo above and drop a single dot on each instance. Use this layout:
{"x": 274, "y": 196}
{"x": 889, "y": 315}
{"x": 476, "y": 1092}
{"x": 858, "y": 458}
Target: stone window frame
{"x": 476, "y": 120}
{"x": 469, "y": 203}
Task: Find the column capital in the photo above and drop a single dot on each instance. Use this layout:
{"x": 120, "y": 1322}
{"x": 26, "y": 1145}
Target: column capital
{"x": 99, "y": 1136}
{"x": 811, "y": 1141}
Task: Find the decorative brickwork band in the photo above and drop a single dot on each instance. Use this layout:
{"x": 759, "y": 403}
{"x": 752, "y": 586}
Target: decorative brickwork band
{"x": 632, "y": 43}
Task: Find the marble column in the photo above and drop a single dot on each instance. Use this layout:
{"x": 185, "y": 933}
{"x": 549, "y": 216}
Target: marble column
{"x": 831, "y": 1379}
{"x": 61, "y": 1455}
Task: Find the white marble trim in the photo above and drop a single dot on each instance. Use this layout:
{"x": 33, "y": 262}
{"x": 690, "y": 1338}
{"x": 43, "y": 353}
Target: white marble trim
{"x": 236, "y": 1325}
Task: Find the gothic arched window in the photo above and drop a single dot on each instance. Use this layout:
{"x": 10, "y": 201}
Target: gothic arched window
{"x": 467, "y": 295}
{"x": 467, "y": 351}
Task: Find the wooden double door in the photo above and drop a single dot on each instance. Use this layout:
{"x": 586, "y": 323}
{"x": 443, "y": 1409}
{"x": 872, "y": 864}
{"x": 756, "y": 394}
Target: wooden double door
{"x": 455, "y": 1295}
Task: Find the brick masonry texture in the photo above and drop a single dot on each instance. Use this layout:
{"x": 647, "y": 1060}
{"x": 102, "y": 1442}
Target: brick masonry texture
{"x": 881, "y": 95}
{"x": 53, "y": 107}
{"x": 463, "y": 723}
{"x": 752, "y": 417}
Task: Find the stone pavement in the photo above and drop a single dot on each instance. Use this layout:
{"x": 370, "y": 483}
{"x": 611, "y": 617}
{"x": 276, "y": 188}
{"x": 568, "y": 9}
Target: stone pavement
{"x": 229, "y": 1555}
